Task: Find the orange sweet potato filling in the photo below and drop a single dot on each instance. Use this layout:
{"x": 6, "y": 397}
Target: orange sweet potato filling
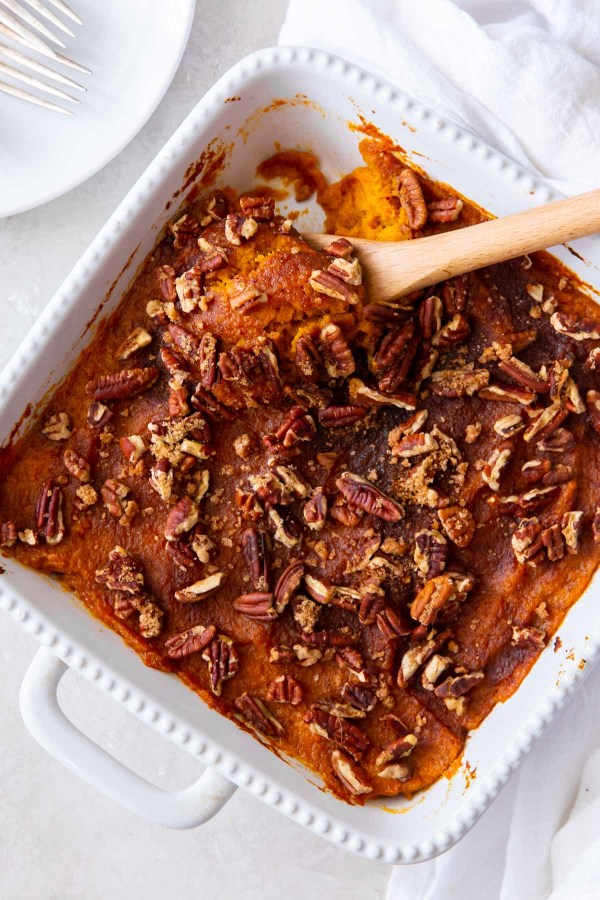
{"x": 352, "y": 527}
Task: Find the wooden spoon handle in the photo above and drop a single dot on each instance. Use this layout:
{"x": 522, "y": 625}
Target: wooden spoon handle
{"x": 443, "y": 256}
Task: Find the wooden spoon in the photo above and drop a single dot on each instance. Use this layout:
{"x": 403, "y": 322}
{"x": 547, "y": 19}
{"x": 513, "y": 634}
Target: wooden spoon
{"x": 394, "y": 268}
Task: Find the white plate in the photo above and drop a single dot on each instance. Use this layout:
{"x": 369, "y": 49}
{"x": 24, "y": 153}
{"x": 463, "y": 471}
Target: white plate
{"x": 133, "y": 50}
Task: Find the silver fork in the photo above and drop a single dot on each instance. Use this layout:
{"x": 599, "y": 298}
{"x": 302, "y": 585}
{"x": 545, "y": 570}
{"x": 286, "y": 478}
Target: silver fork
{"x": 20, "y": 26}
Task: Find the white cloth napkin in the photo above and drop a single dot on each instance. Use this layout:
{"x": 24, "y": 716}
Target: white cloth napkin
{"x": 522, "y": 74}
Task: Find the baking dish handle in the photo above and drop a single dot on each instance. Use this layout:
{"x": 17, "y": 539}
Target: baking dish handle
{"x": 50, "y": 727}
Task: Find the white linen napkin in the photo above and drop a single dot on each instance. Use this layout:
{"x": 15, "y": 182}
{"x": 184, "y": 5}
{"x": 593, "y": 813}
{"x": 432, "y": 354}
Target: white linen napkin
{"x": 523, "y": 75}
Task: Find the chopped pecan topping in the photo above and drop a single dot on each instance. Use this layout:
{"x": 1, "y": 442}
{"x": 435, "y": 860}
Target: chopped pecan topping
{"x": 554, "y": 542}
{"x": 572, "y": 524}
{"x": 314, "y": 510}
{"x": 184, "y": 230}
{"x": 49, "y": 513}
{"x": 347, "y": 735}
{"x": 121, "y": 573}
{"x": 150, "y": 618}
{"x": 350, "y": 774}
{"x": 392, "y": 623}
{"x": 363, "y": 494}
{"x": 203, "y": 401}
{"x": 341, "y": 248}
{"x": 559, "y": 441}
{"x": 456, "y": 331}
{"x": 238, "y": 228}
{"x": 340, "y": 416}
{"x": 166, "y": 282}
{"x": 349, "y": 271}
{"x": 318, "y": 588}
{"x": 454, "y": 294}
{"x": 223, "y": 661}
{"x": 360, "y": 697}
{"x": 459, "y": 382}
{"x": 98, "y": 415}
{"x": 527, "y": 540}
{"x": 122, "y": 385}
{"x": 592, "y": 362}
{"x": 298, "y": 426}
{"x": 436, "y": 594}
{"x": 417, "y": 655}
{"x": 448, "y": 209}
{"x": 495, "y": 466}
{"x": 527, "y": 636}
{"x": 399, "y": 749}
{"x": 584, "y": 330}
{"x": 458, "y": 523}
{"x": 8, "y": 534}
{"x": 371, "y": 605}
{"x": 592, "y": 402}
{"x": 459, "y": 685}
{"x": 77, "y": 466}
{"x": 337, "y": 355}
{"x": 507, "y": 393}
{"x": 190, "y": 641}
{"x": 161, "y": 479}
{"x": 199, "y": 590}
{"x": 431, "y": 550}
{"x": 414, "y": 445}
{"x": 509, "y": 426}
{"x": 285, "y": 689}
{"x": 58, "y": 427}
{"x": 307, "y": 357}
{"x": 288, "y": 584}
{"x": 402, "y": 400}
{"x": 137, "y": 340}
{"x": 247, "y": 299}
{"x": 255, "y": 553}
{"x": 132, "y": 447}
{"x": 535, "y": 469}
{"x": 114, "y": 494}
{"x": 547, "y": 422}
{"x": 260, "y": 208}
{"x": 411, "y": 199}
{"x": 182, "y": 517}
{"x": 332, "y": 286}
{"x": 522, "y": 374}
{"x": 256, "y": 605}
{"x": 258, "y": 714}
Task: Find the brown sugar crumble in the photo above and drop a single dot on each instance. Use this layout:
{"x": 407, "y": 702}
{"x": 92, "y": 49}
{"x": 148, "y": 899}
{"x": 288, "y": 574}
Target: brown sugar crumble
{"x": 350, "y": 526}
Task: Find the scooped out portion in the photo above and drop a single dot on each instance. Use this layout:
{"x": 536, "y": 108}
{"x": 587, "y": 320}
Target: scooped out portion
{"x": 352, "y": 527}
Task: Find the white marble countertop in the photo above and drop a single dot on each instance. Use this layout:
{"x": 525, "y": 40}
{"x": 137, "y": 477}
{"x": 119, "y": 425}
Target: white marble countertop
{"x": 58, "y": 838}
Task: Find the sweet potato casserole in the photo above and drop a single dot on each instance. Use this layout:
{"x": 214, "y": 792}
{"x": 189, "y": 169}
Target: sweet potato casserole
{"x": 351, "y": 526}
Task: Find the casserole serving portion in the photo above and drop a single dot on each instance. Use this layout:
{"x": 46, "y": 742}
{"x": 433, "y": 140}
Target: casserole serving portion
{"x": 352, "y": 527}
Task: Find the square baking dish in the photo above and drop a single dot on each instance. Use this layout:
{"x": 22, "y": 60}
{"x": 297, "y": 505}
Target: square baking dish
{"x": 303, "y": 99}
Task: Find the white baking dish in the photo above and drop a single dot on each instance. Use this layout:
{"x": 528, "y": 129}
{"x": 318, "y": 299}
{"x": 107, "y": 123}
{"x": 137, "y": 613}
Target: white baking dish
{"x": 324, "y": 93}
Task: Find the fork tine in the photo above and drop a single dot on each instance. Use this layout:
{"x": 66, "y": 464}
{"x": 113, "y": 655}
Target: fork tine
{"x": 23, "y": 95}
{"x": 39, "y": 67}
{"x": 66, "y": 10}
{"x": 19, "y": 10}
{"x": 13, "y": 23}
{"x": 43, "y": 49}
{"x": 35, "y": 82}
{"x": 39, "y": 7}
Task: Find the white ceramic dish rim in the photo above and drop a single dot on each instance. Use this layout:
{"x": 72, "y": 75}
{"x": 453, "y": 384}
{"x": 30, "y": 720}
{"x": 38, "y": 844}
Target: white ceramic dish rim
{"x": 144, "y": 706}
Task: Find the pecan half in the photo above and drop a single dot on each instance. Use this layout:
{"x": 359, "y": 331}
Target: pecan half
{"x": 307, "y": 358}
{"x": 349, "y": 270}
{"x": 337, "y": 355}
{"x": 345, "y": 734}
{"x": 203, "y": 401}
{"x": 190, "y": 641}
{"x": 459, "y": 685}
{"x": 256, "y": 605}
{"x": 458, "y": 523}
{"x": 437, "y": 593}
{"x": 122, "y": 385}
{"x": 98, "y": 415}
{"x": 350, "y": 774}
{"x": 137, "y": 340}
{"x": 414, "y": 445}
{"x": 287, "y": 584}
{"x": 360, "y": 697}
{"x": 583, "y": 330}
{"x": 314, "y": 510}
{"x": 431, "y": 550}
{"x": 509, "y": 426}
{"x": 246, "y": 299}
{"x": 411, "y": 199}
{"x": 548, "y": 421}
{"x": 554, "y": 542}
{"x": 392, "y": 623}
{"x": 454, "y": 294}
{"x": 258, "y": 714}
{"x": 364, "y": 495}
{"x": 77, "y": 466}
{"x": 49, "y": 513}
{"x": 340, "y": 416}
{"x": 260, "y": 208}
{"x": 8, "y": 534}
{"x": 341, "y": 248}
{"x": 298, "y": 426}
{"x": 255, "y": 553}
{"x": 285, "y": 689}
{"x": 456, "y": 331}
{"x": 182, "y": 517}
{"x": 522, "y": 374}
{"x": 223, "y": 661}
{"x": 329, "y": 284}
{"x": 527, "y": 540}
{"x": 559, "y": 441}
{"x": 371, "y": 605}
{"x": 446, "y": 210}
{"x": 507, "y": 393}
